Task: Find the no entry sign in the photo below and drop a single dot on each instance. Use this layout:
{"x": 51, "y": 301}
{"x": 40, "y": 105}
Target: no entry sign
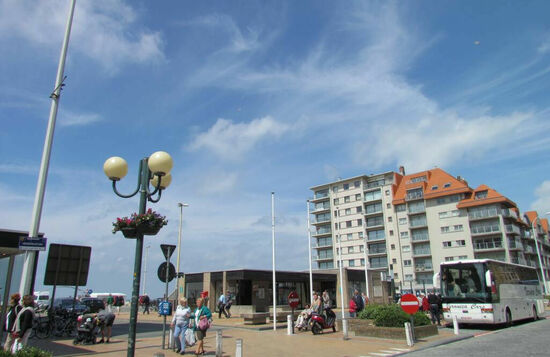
{"x": 293, "y": 300}
{"x": 409, "y": 303}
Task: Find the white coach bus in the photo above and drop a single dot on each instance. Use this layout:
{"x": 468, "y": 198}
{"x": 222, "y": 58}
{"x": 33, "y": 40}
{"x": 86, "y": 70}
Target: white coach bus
{"x": 487, "y": 291}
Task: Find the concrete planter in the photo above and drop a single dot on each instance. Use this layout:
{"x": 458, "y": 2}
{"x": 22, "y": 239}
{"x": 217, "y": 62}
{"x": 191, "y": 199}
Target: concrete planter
{"x": 362, "y": 327}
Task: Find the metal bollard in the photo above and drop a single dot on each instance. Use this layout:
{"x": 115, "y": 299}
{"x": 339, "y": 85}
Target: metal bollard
{"x": 289, "y": 325}
{"x": 455, "y": 325}
{"x": 408, "y": 333}
{"x": 171, "y": 339}
{"x": 219, "y": 343}
{"x": 239, "y": 348}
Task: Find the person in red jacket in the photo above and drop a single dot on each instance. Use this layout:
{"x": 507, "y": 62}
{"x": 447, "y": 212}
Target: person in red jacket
{"x": 352, "y": 308}
{"x": 425, "y": 304}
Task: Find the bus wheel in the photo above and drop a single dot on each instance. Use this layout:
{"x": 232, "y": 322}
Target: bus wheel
{"x": 535, "y": 314}
{"x": 508, "y": 322}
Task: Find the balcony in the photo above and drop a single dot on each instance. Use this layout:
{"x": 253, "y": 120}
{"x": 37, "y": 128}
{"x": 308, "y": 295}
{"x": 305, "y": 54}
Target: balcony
{"x": 512, "y": 229}
{"x": 483, "y": 214}
{"x": 319, "y": 209}
{"x": 416, "y": 211}
{"x": 528, "y": 249}
{"x": 421, "y": 268}
{"x": 320, "y": 197}
{"x": 509, "y": 213}
{"x": 412, "y": 196}
{"x": 378, "y": 265}
{"x": 323, "y": 246}
{"x": 513, "y": 245}
{"x": 418, "y": 223}
{"x": 324, "y": 257}
{"x": 321, "y": 232}
{"x": 483, "y": 246}
{"x": 485, "y": 229}
{"x": 374, "y": 184}
{"x": 372, "y": 212}
{"x": 320, "y": 221}
{"x": 372, "y": 198}
{"x": 424, "y": 237}
{"x": 376, "y": 238}
{"x": 421, "y": 252}
{"x": 377, "y": 251}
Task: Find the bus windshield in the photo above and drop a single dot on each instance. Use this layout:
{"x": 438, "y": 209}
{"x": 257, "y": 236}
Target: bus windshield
{"x": 464, "y": 282}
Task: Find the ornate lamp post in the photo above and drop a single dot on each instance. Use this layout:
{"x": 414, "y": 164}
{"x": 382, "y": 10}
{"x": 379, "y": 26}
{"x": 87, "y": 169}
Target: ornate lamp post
{"x": 154, "y": 170}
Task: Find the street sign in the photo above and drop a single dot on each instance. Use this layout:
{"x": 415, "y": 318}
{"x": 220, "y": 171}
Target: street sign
{"x": 165, "y": 308}
{"x": 409, "y": 303}
{"x": 161, "y": 272}
{"x": 293, "y": 300}
{"x": 90, "y": 291}
{"x": 32, "y": 243}
{"x": 167, "y": 250}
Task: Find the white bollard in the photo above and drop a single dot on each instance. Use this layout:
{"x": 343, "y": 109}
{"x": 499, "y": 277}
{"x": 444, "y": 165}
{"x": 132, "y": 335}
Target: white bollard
{"x": 455, "y": 325}
{"x": 219, "y": 343}
{"x": 171, "y": 339}
{"x": 408, "y": 333}
{"x": 344, "y": 329}
{"x": 239, "y": 348}
{"x": 289, "y": 324}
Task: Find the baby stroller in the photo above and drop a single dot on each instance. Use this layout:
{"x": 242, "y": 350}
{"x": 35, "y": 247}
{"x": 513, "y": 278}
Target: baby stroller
{"x": 302, "y": 322}
{"x": 87, "y": 330}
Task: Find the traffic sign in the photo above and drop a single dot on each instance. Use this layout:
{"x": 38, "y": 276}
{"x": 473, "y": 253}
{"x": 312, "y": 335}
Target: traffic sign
{"x": 90, "y": 291}
{"x": 409, "y": 303}
{"x": 161, "y": 272}
{"x": 32, "y": 243}
{"x": 167, "y": 250}
{"x": 165, "y": 308}
{"x": 293, "y": 300}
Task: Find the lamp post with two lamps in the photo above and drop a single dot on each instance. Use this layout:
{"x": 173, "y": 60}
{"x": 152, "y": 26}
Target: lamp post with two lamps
{"x": 535, "y": 237}
{"x": 155, "y": 171}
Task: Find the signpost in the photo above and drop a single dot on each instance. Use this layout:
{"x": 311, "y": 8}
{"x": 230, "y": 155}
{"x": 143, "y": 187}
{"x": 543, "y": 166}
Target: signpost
{"x": 293, "y": 302}
{"x": 169, "y": 275}
{"x": 410, "y": 304}
{"x": 32, "y": 243}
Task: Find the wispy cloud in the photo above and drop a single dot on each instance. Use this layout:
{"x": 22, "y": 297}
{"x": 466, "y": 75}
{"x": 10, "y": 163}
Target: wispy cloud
{"x": 542, "y": 198}
{"x": 69, "y": 118}
{"x": 231, "y": 140}
{"x": 103, "y": 30}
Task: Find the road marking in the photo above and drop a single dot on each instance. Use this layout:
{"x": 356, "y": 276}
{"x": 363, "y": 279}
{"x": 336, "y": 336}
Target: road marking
{"x": 381, "y": 354}
{"x": 389, "y": 352}
{"x": 401, "y": 349}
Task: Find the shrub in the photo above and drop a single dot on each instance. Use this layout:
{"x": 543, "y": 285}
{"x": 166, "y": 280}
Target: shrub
{"x": 27, "y": 352}
{"x": 393, "y": 316}
{"x": 421, "y": 319}
{"x": 369, "y": 312}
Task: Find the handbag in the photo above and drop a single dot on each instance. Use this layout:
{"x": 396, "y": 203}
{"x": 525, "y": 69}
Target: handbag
{"x": 204, "y": 324}
{"x": 189, "y": 337}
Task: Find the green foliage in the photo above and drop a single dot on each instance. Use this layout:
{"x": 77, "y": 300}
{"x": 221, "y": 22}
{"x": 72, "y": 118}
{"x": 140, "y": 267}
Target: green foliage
{"x": 392, "y": 316}
{"x": 27, "y": 352}
{"x": 369, "y": 312}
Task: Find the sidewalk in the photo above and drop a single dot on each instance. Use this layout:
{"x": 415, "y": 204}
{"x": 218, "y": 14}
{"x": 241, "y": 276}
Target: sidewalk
{"x": 255, "y": 343}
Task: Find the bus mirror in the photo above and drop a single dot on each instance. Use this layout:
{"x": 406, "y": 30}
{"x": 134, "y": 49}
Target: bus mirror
{"x": 488, "y": 279}
{"x": 436, "y": 281}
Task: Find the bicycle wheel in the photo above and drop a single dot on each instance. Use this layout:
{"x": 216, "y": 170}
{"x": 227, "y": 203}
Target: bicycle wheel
{"x": 43, "y": 330}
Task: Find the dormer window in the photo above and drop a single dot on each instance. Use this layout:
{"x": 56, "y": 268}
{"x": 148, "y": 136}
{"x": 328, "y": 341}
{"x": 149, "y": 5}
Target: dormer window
{"x": 435, "y": 187}
{"x": 480, "y": 195}
{"x": 448, "y": 184}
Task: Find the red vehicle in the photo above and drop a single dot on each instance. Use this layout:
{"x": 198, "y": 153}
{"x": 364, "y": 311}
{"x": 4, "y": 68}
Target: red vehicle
{"x": 319, "y": 322}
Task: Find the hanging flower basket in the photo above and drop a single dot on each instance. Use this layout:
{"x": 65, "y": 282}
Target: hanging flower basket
{"x": 149, "y": 224}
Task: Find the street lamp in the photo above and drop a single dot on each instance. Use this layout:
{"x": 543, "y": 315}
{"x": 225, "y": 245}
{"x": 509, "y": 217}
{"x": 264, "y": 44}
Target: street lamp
{"x": 155, "y": 171}
{"x": 180, "y": 205}
{"x": 535, "y": 237}
{"x": 341, "y": 266}
{"x": 309, "y": 250}
{"x": 145, "y": 268}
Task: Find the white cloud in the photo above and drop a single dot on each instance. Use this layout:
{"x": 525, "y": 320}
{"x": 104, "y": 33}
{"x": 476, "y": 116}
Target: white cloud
{"x": 233, "y": 140}
{"x": 103, "y": 30}
{"x": 542, "y": 201}
{"x": 69, "y": 118}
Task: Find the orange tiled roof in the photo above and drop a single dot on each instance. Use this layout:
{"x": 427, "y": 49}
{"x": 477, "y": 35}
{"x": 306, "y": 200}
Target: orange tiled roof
{"x": 544, "y": 224}
{"x": 432, "y": 182}
{"x": 531, "y": 216}
{"x": 492, "y": 197}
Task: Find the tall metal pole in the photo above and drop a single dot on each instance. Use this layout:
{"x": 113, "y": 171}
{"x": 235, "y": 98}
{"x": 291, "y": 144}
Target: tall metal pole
{"x": 341, "y": 266}
{"x": 535, "y": 236}
{"x": 367, "y": 263}
{"x": 145, "y": 268}
{"x": 180, "y": 205}
{"x": 273, "y": 258}
{"x": 28, "y": 267}
{"x": 309, "y": 249}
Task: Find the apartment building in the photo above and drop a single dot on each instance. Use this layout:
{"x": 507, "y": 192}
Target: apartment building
{"x": 405, "y": 225}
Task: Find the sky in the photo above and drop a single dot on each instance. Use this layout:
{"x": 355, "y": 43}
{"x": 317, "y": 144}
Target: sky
{"x": 253, "y": 97}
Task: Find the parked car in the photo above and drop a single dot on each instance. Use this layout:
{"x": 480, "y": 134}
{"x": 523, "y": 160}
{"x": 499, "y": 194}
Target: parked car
{"x": 69, "y": 305}
{"x": 93, "y": 304}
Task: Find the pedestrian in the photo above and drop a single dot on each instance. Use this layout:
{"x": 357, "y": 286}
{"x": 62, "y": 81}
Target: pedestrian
{"x": 326, "y": 300}
{"x": 221, "y": 305}
{"x": 13, "y": 311}
{"x": 316, "y": 303}
{"x": 358, "y": 301}
{"x": 200, "y": 313}
{"x": 110, "y": 302}
{"x": 23, "y": 321}
{"x": 106, "y": 320}
{"x": 228, "y": 303}
{"x": 180, "y": 324}
{"x": 434, "y": 307}
{"x": 365, "y": 299}
{"x": 425, "y": 303}
{"x": 146, "y": 304}
{"x": 352, "y": 308}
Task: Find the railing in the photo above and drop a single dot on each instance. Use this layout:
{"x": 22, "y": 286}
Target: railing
{"x": 375, "y": 223}
{"x": 423, "y": 267}
{"x": 514, "y": 245}
{"x": 417, "y": 210}
{"x": 418, "y": 223}
{"x": 377, "y": 251}
{"x": 370, "y": 198}
{"x": 425, "y": 251}
{"x": 320, "y": 208}
{"x": 375, "y": 184}
{"x": 509, "y": 213}
{"x": 420, "y": 237}
{"x": 320, "y": 195}
{"x": 414, "y": 196}
{"x": 376, "y": 237}
{"x": 373, "y": 210}
{"x": 324, "y": 257}
{"x": 320, "y": 220}
{"x": 486, "y": 213}
{"x": 485, "y": 229}
{"x": 529, "y": 249}
{"x": 379, "y": 265}
{"x": 511, "y": 228}
{"x": 322, "y": 231}
{"x": 487, "y": 245}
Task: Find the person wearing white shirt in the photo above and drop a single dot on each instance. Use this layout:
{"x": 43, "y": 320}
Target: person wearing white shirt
{"x": 180, "y": 323}
{"x": 222, "y": 301}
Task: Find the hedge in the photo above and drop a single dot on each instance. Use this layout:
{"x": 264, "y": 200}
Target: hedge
{"x": 27, "y": 352}
{"x": 391, "y": 316}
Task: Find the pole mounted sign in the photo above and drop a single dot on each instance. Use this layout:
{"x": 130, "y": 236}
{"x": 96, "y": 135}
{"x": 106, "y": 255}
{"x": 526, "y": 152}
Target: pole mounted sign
{"x": 409, "y": 304}
{"x": 32, "y": 243}
{"x": 293, "y": 300}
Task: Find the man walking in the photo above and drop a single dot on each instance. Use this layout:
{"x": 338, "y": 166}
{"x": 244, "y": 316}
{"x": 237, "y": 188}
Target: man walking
{"x": 433, "y": 300}
{"x": 110, "y": 302}
{"x": 146, "y": 304}
{"x": 222, "y": 300}
{"x": 358, "y": 300}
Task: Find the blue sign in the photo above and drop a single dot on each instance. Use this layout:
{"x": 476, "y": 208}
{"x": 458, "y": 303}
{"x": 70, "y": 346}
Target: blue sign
{"x": 90, "y": 291}
{"x": 165, "y": 308}
{"x": 32, "y": 243}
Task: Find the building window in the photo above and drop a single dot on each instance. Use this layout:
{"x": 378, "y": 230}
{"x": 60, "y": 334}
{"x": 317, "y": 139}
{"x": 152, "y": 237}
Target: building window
{"x": 407, "y": 262}
{"x": 359, "y": 222}
{"x": 449, "y": 259}
{"x": 392, "y": 247}
{"x": 390, "y": 219}
{"x": 461, "y": 243}
{"x": 394, "y": 261}
{"x": 447, "y": 185}
{"x": 347, "y": 199}
{"x": 462, "y": 257}
{"x": 447, "y": 244}
{"x": 406, "y": 248}
{"x": 361, "y": 248}
{"x": 335, "y": 189}
{"x": 404, "y": 234}
{"x": 402, "y": 220}
{"x": 387, "y": 192}
{"x": 336, "y": 201}
{"x": 400, "y": 208}
{"x": 358, "y": 197}
{"x": 348, "y": 224}
{"x": 347, "y": 211}
{"x": 435, "y": 187}
{"x": 346, "y": 186}
{"x": 445, "y": 229}
{"x": 458, "y": 228}
{"x": 441, "y": 200}
{"x": 359, "y": 209}
{"x": 388, "y": 205}
{"x": 356, "y": 184}
{"x": 350, "y": 250}
{"x": 391, "y": 232}
{"x": 408, "y": 277}
{"x": 362, "y": 262}
{"x": 349, "y": 236}
{"x": 352, "y": 263}
{"x": 418, "y": 179}
{"x": 360, "y": 234}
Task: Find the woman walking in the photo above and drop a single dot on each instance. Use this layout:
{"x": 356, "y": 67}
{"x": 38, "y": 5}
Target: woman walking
{"x": 180, "y": 324}
{"x": 23, "y": 322}
{"x": 202, "y": 317}
{"x": 13, "y": 311}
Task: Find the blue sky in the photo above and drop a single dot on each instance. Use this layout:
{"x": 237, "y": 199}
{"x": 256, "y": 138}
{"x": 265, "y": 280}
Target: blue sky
{"x": 251, "y": 97}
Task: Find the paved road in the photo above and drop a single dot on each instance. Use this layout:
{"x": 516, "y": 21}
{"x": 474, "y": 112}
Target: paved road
{"x": 525, "y": 339}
